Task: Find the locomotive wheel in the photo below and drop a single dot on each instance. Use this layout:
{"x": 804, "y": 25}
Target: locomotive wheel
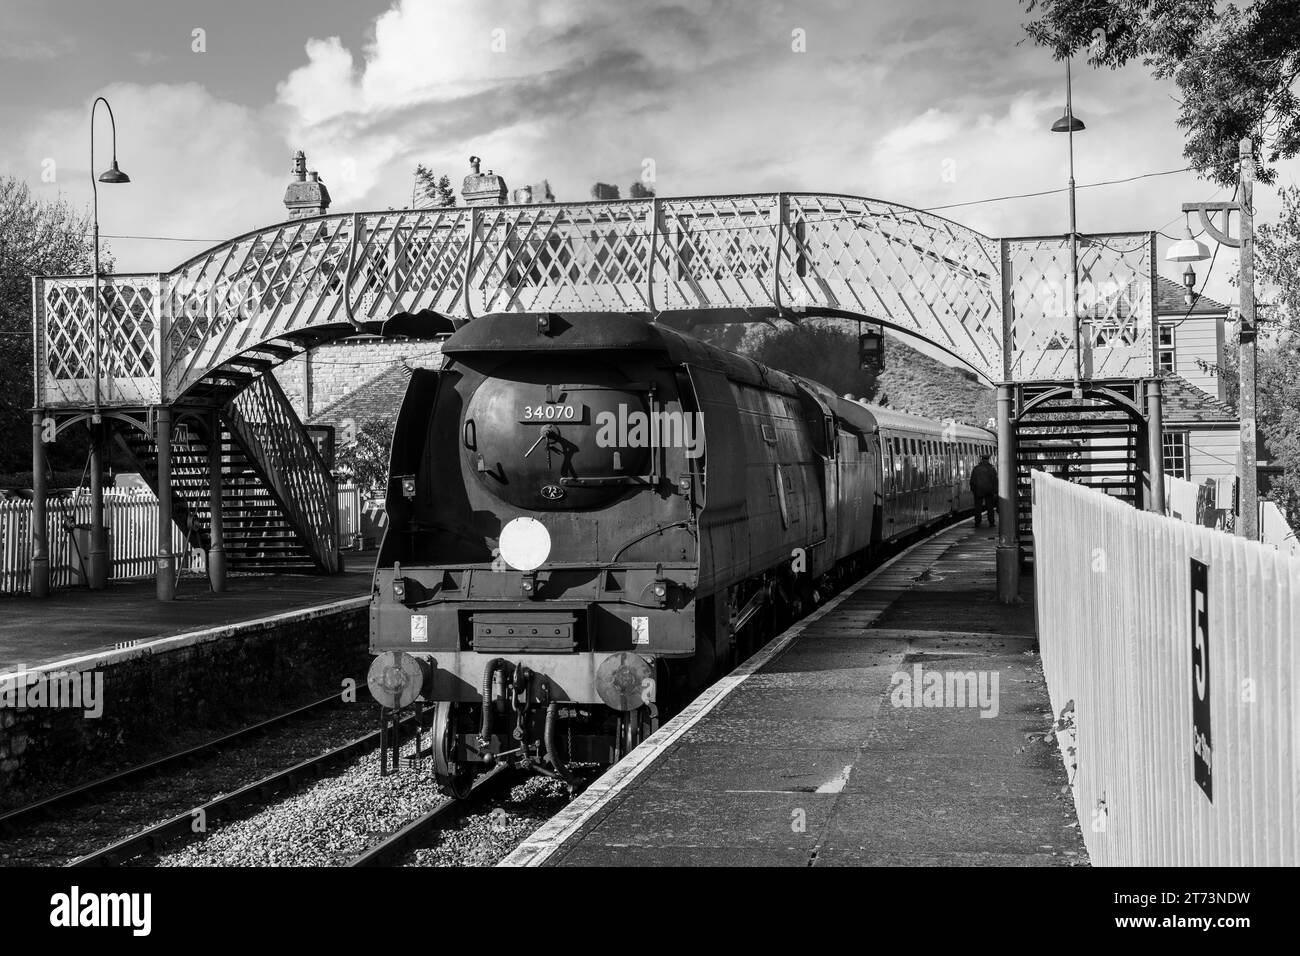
{"x": 633, "y": 727}
{"x": 453, "y": 777}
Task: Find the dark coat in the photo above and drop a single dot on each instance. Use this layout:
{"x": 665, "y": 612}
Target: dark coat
{"x": 984, "y": 479}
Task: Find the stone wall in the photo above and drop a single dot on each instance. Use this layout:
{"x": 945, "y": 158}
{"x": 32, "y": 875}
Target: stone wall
{"x": 165, "y": 695}
{"x": 340, "y": 368}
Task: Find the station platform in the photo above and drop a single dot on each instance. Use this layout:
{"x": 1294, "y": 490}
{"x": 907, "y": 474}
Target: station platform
{"x": 820, "y": 751}
{"x": 77, "y": 621}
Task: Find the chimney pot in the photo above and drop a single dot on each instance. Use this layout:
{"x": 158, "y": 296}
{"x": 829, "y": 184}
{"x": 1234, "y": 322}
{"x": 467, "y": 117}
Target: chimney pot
{"x": 306, "y": 195}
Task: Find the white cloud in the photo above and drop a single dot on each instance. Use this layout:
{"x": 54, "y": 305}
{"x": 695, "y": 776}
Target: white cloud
{"x": 198, "y": 166}
{"x": 931, "y": 128}
{"x": 712, "y": 93}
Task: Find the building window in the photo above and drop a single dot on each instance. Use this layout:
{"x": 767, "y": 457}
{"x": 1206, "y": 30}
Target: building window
{"x": 1108, "y": 333}
{"x": 1175, "y": 449}
{"x": 1165, "y": 354}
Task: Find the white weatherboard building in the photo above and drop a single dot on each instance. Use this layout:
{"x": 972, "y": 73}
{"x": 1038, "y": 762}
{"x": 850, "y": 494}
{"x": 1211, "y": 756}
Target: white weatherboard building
{"x": 1201, "y": 429}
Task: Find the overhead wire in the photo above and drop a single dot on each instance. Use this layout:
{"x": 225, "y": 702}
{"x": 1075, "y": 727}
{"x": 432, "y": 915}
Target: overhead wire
{"x": 730, "y": 227}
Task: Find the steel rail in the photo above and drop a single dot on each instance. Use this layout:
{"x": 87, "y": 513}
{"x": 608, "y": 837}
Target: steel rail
{"x": 225, "y": 807}
{"x": 402, "y": 839}
{"x": 10, "y": 819}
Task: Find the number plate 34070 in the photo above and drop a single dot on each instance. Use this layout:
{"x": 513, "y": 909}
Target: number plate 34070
{"x": 548, "y": 412}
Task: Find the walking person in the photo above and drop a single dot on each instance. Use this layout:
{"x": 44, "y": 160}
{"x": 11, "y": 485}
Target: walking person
{"x": 984, "y": 486}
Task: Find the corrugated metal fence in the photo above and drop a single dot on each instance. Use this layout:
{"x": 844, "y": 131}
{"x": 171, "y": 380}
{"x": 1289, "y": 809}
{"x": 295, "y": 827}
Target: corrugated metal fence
{"x": 1171, "y": 661}
{"x": 1199, "y": 504}
{"x": 1274, "y": 530}
{"x": 132, "y": 519}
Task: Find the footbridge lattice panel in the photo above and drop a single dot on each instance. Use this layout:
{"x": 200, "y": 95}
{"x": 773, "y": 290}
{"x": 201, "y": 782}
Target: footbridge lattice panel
{"x": 993, "y": 304}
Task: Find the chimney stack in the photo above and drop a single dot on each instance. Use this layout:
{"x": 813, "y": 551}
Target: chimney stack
{"x": 306, "y": 195}
{"x": 534, "y": 193}
{"x": 482, "y": 189}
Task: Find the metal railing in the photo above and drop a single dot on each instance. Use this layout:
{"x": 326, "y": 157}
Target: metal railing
{"x": 263, "y": 422}
{"x": 132, "y": 519}
{"x": 995, "y": 304}
{"x": 1168, "y": 653}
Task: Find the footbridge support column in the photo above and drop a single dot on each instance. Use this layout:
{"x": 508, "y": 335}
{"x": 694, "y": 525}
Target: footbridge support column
{"x": 1008, "y": 552}
{"x": 166, "y": 573}
{"x": 40, "y": 563}
{"x": 97, "y": 559}
{"x": 216, "y": 524}
{"x": 1155, "y": 447}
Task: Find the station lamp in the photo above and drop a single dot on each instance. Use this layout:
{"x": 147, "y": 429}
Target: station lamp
{"x": 871, "y": 348}
{"x": 1188, "y": 250}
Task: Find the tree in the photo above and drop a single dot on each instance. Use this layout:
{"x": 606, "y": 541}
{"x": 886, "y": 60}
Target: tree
{"x": 1277, "y": 373}
{"x": 431, "y": 190}
{"x": 1277, "y": 265}
{"x": 821, "y": 353}
{"x": 37, "y": 237}
{"x": 911, "y": 381}
{"x": 364, "y": 460}
{"x": 1236, "y": 68}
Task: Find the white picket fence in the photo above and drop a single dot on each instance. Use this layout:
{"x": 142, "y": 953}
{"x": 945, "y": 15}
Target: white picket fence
{"x": 132, "y": 520}
{"x": 1169, "y": 653}
{"x": 350, "y": 505}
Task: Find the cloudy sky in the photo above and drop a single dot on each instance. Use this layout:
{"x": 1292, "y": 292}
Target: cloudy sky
{"x": 923, "y": 102}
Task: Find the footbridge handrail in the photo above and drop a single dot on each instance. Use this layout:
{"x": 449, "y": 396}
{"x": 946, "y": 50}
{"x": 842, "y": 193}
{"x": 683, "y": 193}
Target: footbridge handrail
{"x": 751, "y": 257}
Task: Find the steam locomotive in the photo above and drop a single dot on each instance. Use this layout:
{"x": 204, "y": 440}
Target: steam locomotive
{"x": 592, "y": 516}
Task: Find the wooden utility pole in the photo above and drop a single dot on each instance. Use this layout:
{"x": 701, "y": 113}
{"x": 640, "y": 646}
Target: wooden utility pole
{"x": 1248, "y": 519}
{"x": 1247, "y": 468}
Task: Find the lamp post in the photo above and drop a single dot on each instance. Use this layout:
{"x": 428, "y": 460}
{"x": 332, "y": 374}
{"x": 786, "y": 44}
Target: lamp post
{"x": 1008, "y": 548}
{"x": 1070, "y": 124}
{"x": 98, "y": 570}
{"x": 1190, "y": 250}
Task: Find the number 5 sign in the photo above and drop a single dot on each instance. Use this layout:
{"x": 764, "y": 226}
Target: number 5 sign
{"x": 1202, "y": 750}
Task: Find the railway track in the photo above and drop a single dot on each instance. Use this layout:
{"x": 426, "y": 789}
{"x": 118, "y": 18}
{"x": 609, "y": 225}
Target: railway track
{"x": 226, "y": 806}
{"x": 410, "y": 840}
{"x": 392, "y": 847}
{"x": 13, "y": 820}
